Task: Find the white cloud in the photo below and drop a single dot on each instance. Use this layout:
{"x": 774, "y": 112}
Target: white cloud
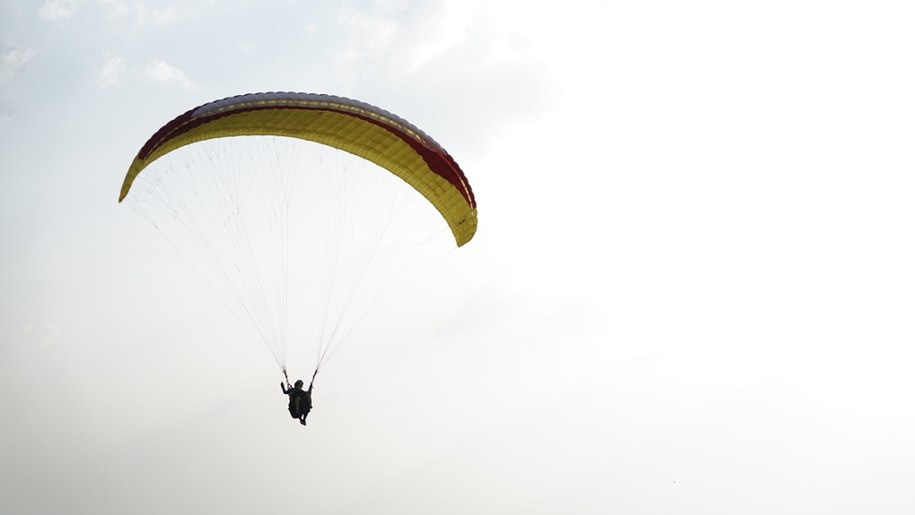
{"x": 164, "y": 15}
{"x": 14, "y": 58}
{"x": 43, "y": 336}
{"x": 140, "y": 9}
{"x": 111, "y": 72}
{"x": 375, "y": 32}
{"x": 504, "y": 50}
{"x": 448, "y": 31}
{"x": 116, "y": 8}
{"x": 391, "y": 5}
{"x": 56, "y": 10}
{"x": 164, "y": 73}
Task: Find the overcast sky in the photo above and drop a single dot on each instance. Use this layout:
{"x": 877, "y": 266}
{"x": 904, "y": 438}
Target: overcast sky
{"x": 691, "y": 290}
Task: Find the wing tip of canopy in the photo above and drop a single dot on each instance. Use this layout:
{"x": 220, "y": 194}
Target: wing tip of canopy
{"x": 135, "y": 167}
{"x": 466, "y": 228}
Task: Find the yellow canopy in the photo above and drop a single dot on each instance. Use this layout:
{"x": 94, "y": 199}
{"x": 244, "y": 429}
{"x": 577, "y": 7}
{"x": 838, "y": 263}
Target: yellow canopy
{"x": 355, "y": 127}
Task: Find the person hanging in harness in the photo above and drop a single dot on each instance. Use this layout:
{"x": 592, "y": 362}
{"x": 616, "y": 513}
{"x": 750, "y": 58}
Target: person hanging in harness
{"x": 299, "y": 399}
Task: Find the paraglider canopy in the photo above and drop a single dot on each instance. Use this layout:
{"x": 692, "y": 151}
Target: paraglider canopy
{"x": 350, "y": 125}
